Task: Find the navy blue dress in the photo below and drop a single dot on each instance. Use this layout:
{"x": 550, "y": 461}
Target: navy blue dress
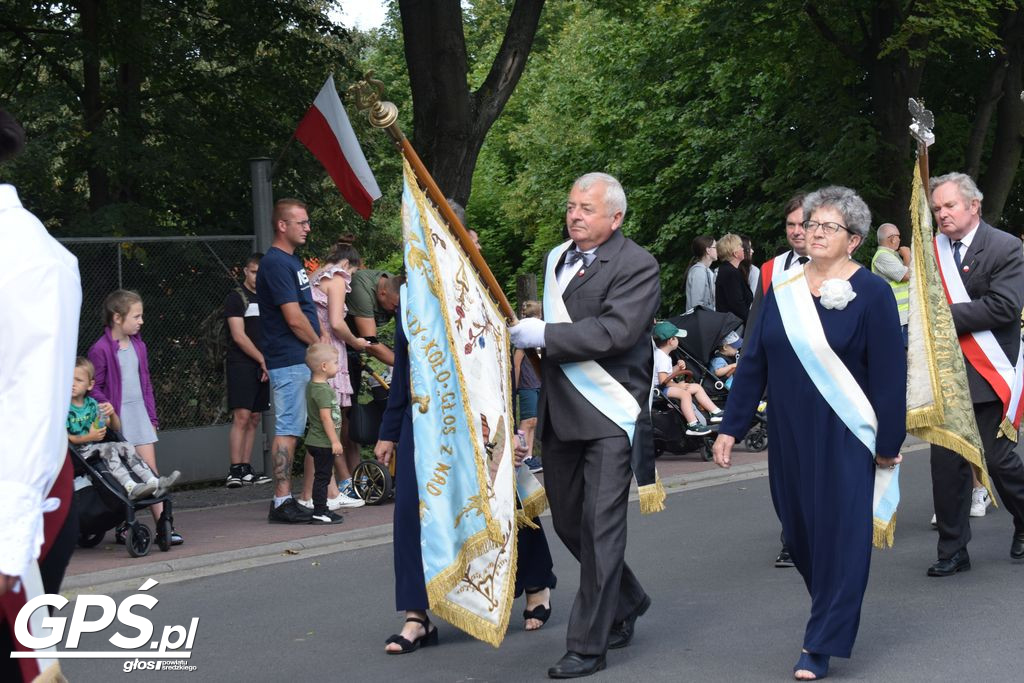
{"x": 535, "y": 567}
{"x": 821, "y": 475}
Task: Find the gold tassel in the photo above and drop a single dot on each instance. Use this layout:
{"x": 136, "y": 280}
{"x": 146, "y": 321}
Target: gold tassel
{"x": 51, "y": 674}
{"x": 523, "y": 521}
{"x": 883, "y": 535}
{"x": 652, "y": 497}
{"x": 1007, "y": 429}
{"x": 536, "y": 504}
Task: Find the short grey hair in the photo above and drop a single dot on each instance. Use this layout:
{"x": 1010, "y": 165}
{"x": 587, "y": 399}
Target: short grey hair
{"x": 614, "y": 195}
{"x": 968, "y": 189}
{"x": 856, "y": 214}
{"x": 884, "y": 230}
{"x": 457, "y": 209}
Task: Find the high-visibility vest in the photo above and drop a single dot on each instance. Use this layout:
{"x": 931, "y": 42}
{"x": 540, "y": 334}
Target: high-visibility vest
{"x": 900, "y": 289}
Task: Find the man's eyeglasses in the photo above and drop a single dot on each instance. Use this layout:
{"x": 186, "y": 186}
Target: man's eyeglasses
{"x": 304, "y": 223}
{"x": 827, "y": 228}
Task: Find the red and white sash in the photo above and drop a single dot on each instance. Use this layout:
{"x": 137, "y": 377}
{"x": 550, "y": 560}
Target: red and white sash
{"x": 981, "y": 349}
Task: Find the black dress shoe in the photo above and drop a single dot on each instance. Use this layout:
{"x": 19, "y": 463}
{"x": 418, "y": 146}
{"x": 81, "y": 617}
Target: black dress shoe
{"x": 575, "y": 665}
{"x": 1017, "y": 547}
{"x": 622, "y": 632}
{"x": 960, "y": 562}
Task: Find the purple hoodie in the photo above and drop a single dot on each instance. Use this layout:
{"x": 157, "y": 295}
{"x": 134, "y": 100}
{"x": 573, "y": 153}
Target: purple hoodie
{"x": 103, "y": 355}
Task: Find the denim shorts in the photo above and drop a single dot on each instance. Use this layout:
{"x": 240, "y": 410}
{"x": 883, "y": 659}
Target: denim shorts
{"x": 528, "y": 403}
{"x": 289, "y": 387}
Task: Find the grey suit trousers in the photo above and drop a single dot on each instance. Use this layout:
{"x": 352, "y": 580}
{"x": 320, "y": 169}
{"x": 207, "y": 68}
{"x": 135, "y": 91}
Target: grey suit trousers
{"x": 587, "y": 484}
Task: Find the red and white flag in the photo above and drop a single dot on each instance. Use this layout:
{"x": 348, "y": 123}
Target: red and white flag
{"x": 326, "y": 131}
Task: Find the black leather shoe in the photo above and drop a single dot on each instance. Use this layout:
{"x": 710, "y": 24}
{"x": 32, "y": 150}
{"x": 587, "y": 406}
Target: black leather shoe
{"x": 784, "y": 559}
{"x": 622, "y": 632}
{"x": 960, "y": 562}
{"x": 1017, "y": 547}
{"x": 575, "y": 665}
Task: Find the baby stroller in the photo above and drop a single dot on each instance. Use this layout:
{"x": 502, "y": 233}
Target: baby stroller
{"x": 103, "y": 504}
{"x": 670, "y": 429}
{"x": 371, "y": 481}
{"x": 706, "y": 331}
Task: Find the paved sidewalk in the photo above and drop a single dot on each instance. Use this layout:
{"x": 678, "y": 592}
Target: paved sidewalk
{"x": 225, "y": 527}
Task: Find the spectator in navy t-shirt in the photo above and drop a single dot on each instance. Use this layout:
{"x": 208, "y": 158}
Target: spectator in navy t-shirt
{"x": 289, "y": 322}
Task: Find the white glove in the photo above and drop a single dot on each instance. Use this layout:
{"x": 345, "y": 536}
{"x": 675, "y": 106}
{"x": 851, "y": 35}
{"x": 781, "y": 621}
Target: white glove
{"x": 528, "y": 333}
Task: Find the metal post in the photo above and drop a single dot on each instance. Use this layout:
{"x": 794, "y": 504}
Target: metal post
{"x": 262, "y": 202}
{"x": 262, "y": 206}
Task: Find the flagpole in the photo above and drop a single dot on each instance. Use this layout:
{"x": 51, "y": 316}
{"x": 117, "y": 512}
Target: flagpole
{"x": 385, "y": 115}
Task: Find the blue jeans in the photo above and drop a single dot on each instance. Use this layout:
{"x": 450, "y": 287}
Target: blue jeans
{"x": 289, "y": 387}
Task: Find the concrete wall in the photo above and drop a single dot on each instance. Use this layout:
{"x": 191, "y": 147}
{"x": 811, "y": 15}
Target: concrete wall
{"x": 201, "y": 454}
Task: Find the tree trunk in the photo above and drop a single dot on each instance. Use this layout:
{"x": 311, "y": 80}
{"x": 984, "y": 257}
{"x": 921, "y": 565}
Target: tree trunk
{"x": 987, "y": 100}
{"x": 92, "y": 103}
{"x": 129, "y": 51}
{"x": 449, "y": 122}
{"x": 1006, "y": 148}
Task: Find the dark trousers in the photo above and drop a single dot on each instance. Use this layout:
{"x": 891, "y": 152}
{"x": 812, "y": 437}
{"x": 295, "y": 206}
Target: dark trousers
{"x": 323, "y": 463}
{"x": 587, "y": 484}
{"x": 535, "y": 568}
{"x": 952, "y": 482}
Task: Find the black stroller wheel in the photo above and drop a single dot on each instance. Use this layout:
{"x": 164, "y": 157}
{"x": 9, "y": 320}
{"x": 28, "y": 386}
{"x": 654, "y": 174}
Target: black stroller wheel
{"x": 757, "y": 439}
{"x": 164, "y": 529}
{"x": 138, "y": 539}
{"x": 705, "y": 449}
{"x": 371, "y": 482}
{"x": 90, "y": 540}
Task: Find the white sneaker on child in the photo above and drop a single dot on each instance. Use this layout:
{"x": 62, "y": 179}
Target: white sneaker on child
{"x": 143, "y": 490}
{"x": 344, "y": 501}
{"x": 165, "y": 483}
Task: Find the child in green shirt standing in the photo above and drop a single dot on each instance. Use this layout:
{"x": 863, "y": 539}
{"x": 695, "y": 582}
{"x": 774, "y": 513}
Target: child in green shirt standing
{"x": 322, "y": 434}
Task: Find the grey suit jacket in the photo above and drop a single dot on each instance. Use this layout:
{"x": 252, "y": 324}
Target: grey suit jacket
{"x": 995, "y": 282}
{"x": 612, "y": 307}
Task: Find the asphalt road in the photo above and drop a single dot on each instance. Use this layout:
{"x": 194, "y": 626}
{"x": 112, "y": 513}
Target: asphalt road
{"x": 721, "y": 611}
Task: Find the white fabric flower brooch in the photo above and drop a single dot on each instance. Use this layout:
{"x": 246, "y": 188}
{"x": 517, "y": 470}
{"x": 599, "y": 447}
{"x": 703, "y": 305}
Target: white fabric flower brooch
{"x": 836, "y": 293}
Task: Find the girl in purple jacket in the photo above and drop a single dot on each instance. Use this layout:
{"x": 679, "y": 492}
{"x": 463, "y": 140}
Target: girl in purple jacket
{"x": 122, "y": 378}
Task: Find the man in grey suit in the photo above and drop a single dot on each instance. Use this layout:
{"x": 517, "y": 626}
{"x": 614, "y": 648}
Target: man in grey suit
{"x": 991, "y": 266}
{"x": 610, "y": 289}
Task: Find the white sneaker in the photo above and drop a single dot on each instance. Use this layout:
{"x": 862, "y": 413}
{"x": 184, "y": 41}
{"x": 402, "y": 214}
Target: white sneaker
{"x": 979, "y": 501}
{"x": 343, "y": 501}
{"x": 305, "y": 503}
{"x": 934, "y": 523}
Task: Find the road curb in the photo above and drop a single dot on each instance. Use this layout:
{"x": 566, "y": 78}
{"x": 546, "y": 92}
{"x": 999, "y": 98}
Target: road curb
{"x": 210, "y": 564}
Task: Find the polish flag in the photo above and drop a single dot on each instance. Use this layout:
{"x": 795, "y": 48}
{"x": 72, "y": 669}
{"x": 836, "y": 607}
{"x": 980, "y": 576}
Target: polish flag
{"x": 326, "y": 131}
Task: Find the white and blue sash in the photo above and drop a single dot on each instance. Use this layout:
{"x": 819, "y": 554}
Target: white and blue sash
{"x": 606, "y": 394}
{"x": 597, "y": 386}
{"x": 837, "y": 386}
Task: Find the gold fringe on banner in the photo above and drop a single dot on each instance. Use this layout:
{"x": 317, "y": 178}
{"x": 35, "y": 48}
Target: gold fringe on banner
{"x": 883, "y": 534}
{"x": 652, "y": 497}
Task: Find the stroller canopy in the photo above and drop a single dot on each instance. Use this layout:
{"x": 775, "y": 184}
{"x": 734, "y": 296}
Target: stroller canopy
{"x": 705, "y": 330}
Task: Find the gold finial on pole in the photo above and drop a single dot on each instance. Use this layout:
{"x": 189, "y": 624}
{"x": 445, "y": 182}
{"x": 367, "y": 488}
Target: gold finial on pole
{"x": 367, "y": 93}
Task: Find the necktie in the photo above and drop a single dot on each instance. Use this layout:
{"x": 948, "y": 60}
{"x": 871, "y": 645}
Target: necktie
{"x": 803, "y": 259}
{"x": 576, "y": 255}
{"x": 956, "y": 254}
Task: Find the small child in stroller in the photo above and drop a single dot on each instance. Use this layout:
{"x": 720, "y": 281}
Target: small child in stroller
{"x": 666, "y": 338}
{"x": 723, "y": 364}
{"x": 87, "y": 428}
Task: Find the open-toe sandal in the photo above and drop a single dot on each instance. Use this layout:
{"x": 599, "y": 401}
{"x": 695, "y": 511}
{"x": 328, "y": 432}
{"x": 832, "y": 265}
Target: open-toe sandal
{"x": 539, "y": 612}
{"x": 428, "y": 638}
{"x": 816, "y": 664}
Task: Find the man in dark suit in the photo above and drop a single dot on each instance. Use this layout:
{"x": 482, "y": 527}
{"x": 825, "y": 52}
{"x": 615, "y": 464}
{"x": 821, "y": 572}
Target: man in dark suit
{"x": 991, "y": 266}
{"x": 610, "y": 290}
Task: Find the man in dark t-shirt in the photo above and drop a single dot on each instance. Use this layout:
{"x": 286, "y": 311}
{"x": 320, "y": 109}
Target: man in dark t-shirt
{"x": 290, "y": 325}
{"x": 247, "y": 379}
{"x": 372, "y": 303}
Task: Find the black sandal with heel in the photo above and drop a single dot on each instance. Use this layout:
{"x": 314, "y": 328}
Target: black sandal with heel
{"x": 540, "y": 612}
{"x": 428, "y": 638}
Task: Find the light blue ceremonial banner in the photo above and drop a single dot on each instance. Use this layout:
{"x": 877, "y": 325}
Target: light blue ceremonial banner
{"x": 461, "y": 407}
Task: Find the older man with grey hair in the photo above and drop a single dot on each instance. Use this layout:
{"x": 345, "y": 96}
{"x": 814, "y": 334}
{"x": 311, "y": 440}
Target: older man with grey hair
{"x": 983, "y": 273}
{"x": 892, "y": 263}
{"x": 600, "y": 297}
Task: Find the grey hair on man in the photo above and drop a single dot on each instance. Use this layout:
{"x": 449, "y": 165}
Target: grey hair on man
{"x": 856, "y": 214}
{"x": 885, "y": 231}
{"x": 968, "y": 189}
{"x": 614, "y": 195}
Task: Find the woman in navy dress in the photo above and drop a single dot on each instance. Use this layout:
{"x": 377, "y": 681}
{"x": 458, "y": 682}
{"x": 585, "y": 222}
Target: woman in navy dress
{"x": 821, "y": 475}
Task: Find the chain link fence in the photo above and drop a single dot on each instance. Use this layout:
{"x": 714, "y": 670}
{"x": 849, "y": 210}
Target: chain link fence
{"x": 183, "y": 282}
